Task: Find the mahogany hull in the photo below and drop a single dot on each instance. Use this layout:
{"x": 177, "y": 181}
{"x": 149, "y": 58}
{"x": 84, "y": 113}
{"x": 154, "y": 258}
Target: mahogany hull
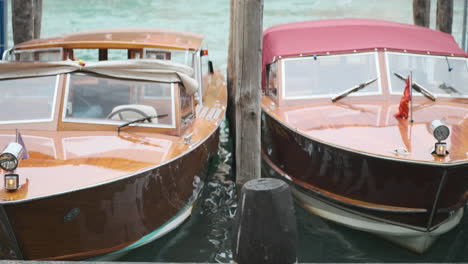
{"x": 415, "y": 195}
{"x": 101, "y": 219}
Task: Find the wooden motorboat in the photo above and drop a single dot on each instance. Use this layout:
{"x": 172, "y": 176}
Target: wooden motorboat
{"x": 110, "y": 132}
{"x": 332, "y": 89}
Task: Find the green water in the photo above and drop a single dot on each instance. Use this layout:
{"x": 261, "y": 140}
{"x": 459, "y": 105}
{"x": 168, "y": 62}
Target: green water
{"x": 205, "y": 237}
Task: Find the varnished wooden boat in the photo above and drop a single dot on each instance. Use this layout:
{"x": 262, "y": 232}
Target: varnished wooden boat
{"x": 90, "y": 189}
{"x": 350, "y": 160}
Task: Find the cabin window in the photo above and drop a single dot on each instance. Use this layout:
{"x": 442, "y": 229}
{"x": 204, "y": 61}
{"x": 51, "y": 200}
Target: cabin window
{"x": 197, "y": 67}
{"x": 117, "y": 54}
{"x": 28, "y": 99}
{"x": 85, "y": 54}
{"x": 186, "y": 106}
{"x": 103, "y": 100}
{"x": 183, "y": 57}
{"x": 272, "y": 79}
{"x": 443, "y": 76}
{"x": 54, "y": 54}
{"x": 326, "y": 76}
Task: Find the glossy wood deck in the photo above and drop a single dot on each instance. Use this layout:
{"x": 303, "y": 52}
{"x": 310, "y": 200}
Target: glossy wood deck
{"x": 368, "y": 126}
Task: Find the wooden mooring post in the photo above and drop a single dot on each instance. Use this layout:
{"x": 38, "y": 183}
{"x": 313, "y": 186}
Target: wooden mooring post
{"x": 244, "y": 93}
{"x": 422, "y": 12}
{"x": 264, "y": 230}
{"x": 26, "y": 20}
{"x": 444, "y": 15}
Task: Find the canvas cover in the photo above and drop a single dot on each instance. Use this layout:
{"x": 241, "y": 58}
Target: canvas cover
{"x": 146, "y": 70}
{"x": 348, "y": 35}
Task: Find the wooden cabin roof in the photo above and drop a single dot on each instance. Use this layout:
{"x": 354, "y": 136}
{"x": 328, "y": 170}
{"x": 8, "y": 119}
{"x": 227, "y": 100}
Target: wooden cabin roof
{"x": 120, "y": 38}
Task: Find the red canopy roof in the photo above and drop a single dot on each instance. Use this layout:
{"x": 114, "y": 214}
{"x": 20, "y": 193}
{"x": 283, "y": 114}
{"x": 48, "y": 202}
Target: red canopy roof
{"x": 347, "y": 35}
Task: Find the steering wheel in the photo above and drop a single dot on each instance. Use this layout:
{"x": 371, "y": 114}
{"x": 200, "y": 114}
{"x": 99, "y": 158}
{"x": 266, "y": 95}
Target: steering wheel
{"x": 126, "y": 109}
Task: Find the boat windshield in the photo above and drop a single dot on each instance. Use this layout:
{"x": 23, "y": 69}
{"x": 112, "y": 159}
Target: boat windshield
{"x": 327, "y": 76}
{"x": 440, "y": 75}
{"x": 28, "y": 99}
{"x": 102, "y": 100}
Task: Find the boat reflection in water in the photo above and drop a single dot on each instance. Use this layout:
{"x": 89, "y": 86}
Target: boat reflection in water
{"x": 112, "y": 154}
{"x": 330, "y": 125}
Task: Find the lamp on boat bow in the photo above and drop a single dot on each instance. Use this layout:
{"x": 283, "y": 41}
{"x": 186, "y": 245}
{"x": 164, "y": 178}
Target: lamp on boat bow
{"x": 9, "y": 161}
{"x": 441, "y": 132}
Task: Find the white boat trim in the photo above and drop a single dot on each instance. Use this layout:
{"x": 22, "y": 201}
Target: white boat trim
{"x": 412, "y": 239}
{"x": 167, "y": 227}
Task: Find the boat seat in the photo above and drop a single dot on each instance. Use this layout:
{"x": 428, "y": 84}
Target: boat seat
{"x": 132, "y": 112}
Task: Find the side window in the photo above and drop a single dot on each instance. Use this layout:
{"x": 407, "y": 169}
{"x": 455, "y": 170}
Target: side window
{"x": 179, "y": 56}
{"x": 272, "y": 80}
{"x": 103, "y": 100}
{"x": 186, "y": 107}
{"x": 54, "y": 54}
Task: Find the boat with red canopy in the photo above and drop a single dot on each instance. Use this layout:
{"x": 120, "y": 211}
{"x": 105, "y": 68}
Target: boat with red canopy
{"x": 336, "y": 126}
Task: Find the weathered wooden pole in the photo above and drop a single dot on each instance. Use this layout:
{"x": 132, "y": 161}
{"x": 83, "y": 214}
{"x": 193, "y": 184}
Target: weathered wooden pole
{"x": 444, "y": 15}
{"x": 26, "y": 19}
{"x": 3, "y": 25}
{"x": 246, "y": 44}
{"x": 264, "y": 229}
{"x": 230, "y": 75}
{"x": 422, "y": 12}
{"x": 465, "y": 9}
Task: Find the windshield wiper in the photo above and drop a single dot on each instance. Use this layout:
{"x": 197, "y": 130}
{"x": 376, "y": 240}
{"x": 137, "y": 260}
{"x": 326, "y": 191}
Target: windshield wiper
{"x": 352, "y": 90}
{"x": 448, "y": 89}
{"x": 143, "y": 119}
{"x": 417, "y": 87}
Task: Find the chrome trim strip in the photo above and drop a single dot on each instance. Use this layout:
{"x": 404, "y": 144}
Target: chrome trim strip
{"x": 7, "y": 53}
{"x": 436, "y": 200}
{"x": 210, "y": 114}
{"x": 428, "y": 163}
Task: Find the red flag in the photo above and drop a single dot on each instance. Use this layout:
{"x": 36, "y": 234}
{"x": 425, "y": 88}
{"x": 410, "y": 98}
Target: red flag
{"x": 403, "y": 109}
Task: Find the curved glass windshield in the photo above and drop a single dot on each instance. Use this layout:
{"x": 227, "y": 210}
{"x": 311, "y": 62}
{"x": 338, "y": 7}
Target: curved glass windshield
{"x": 97, "y": 99}
{"x": 28, "y": 99}
{"x": 326, "y": 76}
{"x": 443, "y": 76}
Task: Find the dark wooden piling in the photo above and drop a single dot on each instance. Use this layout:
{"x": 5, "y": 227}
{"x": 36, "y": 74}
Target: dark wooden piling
{"x": 26, "y": 20}
{"x": 264, "y": 229}
{"x": 246, "y": 43}
{"x": 444, "y": 15}
{"x": 422, "y": 12}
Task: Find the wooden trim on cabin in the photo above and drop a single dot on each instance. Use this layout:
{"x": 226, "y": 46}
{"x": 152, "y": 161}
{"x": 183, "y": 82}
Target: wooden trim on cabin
{"x": 383, "y": 73}
{"x": 177, "y": 110}
{"x": 101, "y": 45}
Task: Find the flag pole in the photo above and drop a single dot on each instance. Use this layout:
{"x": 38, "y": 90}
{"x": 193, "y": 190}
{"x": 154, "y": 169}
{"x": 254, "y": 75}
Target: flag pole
{"x": 411, "y": 97}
